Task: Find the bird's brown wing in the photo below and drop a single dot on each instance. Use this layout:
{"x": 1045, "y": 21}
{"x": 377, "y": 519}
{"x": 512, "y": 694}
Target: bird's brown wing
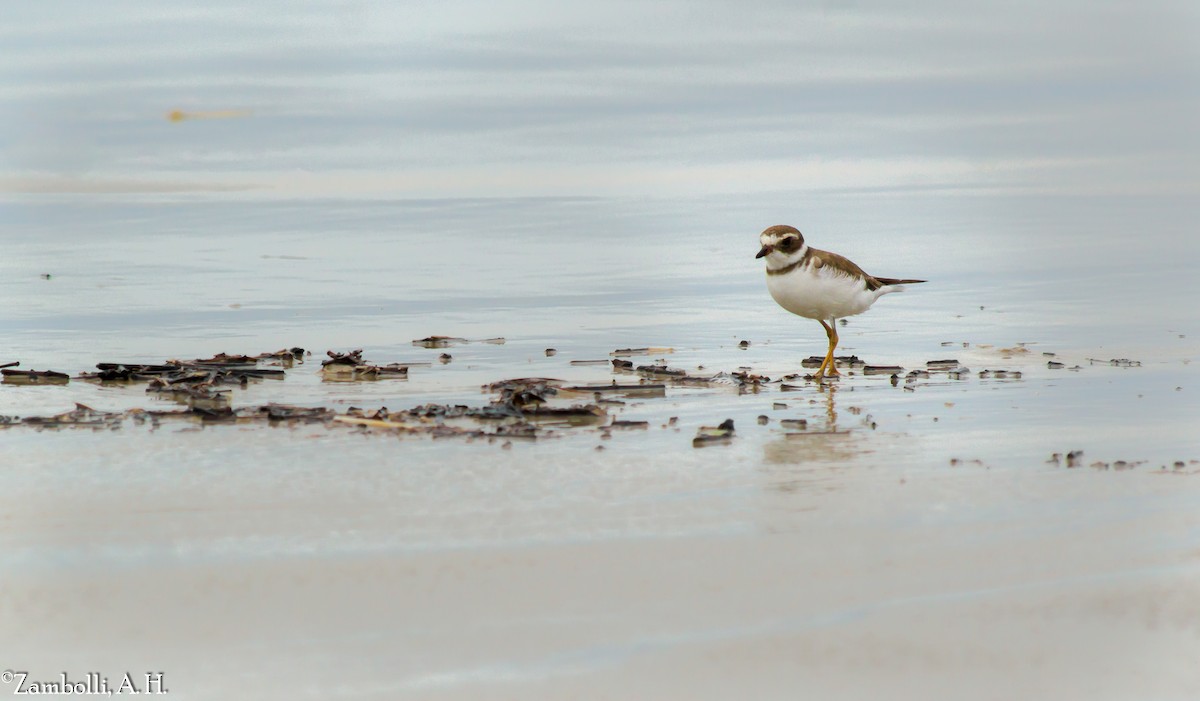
{"x": 846, "y": 266}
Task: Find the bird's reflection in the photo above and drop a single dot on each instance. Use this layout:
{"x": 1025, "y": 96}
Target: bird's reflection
{"x": 815, "y": 456}
{"x": 829, "y": 389}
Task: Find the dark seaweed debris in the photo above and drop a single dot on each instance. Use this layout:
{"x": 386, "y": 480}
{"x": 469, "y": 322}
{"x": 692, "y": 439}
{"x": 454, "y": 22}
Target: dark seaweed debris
{"x": 350, "y": 367}
{"x": 220, "y": 369}
{"x": 847, "y": 361}
{"x": 34, "y": 377}
{"x": 721, "y": 434}
{"x": 438, "y": 341}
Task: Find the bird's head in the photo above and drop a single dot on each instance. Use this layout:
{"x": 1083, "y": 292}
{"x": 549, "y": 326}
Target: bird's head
{"x": 781, "y": 245}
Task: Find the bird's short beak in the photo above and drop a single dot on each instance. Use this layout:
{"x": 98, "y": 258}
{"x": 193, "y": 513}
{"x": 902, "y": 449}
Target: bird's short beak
{"x": 764, "y": 251}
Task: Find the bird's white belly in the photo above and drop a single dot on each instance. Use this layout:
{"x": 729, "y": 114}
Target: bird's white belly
{"x": 821, "y": 294}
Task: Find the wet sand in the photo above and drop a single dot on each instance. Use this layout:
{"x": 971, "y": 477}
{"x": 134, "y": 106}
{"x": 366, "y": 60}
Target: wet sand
{"x": 903, "y": 543}
{"x": 719, "y": 576}
{"x": 915, "y": 539}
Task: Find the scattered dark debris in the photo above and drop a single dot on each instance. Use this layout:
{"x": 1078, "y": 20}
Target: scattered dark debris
{"x": 1055, "y": 365}
{"x": 641, "y": 351}
{"x": 286, "y": 357}
{"x": 221, "y": 369}
{"x": 1000, "y": 374}
{"x": 527, "y": 398}
{"x": 445, "y": 358}
{"x": 525, "y": 392}
{"x": 846, "y": 361}
{"x": 13, "y": 364}
{"x": 287, "y": 412}
{"x": 521, "y": 431}
{"x": 350, "y": 367}
{"x": 1075, "y": 459}
{"x": 81, "y": 416}
{"x": 955, "y": 462}
{"x": 743, "y": 345}
{"x": 199, "y": 396}
{"x": 1117, "y": 362}
{"x": 438, "y": 341}
{"x": 492, "y": 412}
{"x": 45, "y": 276}
{"x": 34, "y": 377}
{"x": 128, "y": 372}
{"x": 523, "y": 409}
{"x": 1118, "y": 465}
{"x": 578, "y": 415}
{"x": 226, "y": 359}
{"x": 748, "y": 379}
{"x": 714, "y": 435}
{"x": 696, "y": 381}
{"x": 661, "y": 370}
{"x": 520, "y": 383}
{"x": 640, "y": 390}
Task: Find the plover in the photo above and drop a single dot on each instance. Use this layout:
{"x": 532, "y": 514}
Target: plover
{"x": 818, "y": 284}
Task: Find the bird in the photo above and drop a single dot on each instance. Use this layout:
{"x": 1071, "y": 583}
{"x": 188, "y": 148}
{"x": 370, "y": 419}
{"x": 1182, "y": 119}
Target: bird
{"x": 818, "y": 284}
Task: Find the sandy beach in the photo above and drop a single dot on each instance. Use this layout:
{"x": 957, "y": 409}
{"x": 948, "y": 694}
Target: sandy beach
{"x": 915, "y": 536}
{"x": 488, "y": 215}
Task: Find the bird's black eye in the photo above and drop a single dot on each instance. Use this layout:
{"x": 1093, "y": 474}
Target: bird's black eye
{"x": 789, "y": 242}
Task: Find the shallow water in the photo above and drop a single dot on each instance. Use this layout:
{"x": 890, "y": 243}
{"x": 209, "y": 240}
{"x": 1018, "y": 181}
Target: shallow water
{"x": 551, "y": 565}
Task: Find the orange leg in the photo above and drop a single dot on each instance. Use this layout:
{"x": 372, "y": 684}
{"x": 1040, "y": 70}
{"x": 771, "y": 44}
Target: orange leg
{"x": 828, "y": 367}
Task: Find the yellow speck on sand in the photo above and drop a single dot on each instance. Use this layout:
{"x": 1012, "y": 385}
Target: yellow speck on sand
{"x": 180, "y": 115}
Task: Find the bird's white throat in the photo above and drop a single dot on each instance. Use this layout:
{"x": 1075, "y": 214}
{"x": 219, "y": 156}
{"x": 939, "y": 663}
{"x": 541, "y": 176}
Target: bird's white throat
{"x": 777, "y": 260}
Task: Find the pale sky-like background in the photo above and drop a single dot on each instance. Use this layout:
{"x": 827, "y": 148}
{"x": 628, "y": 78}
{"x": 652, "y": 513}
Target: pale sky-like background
{"x": 534, "y": 97}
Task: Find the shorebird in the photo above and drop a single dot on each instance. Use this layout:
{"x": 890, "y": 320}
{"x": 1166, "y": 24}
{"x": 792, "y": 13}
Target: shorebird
{"x": 818, "y": 284}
